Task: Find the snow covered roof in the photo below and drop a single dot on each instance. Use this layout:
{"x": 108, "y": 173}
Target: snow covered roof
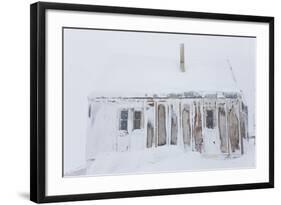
{"x": 147, "y": 76}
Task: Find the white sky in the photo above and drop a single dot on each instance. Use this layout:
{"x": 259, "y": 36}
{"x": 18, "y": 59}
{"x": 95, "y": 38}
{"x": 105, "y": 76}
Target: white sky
{"x": 104, "y": 60}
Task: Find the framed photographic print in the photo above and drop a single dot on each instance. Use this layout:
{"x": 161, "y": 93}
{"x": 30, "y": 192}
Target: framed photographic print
{"x": 129, "y": 102}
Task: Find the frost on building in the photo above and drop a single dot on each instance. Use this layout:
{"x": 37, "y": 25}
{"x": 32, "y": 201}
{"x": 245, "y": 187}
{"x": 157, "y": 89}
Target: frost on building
{"x": 196, "y": 106}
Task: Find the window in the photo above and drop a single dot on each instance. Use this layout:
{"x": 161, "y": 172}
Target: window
{"x": 210, "y": 119}
{"x": 124, "y": 120}
{"x": 137, "y": 120}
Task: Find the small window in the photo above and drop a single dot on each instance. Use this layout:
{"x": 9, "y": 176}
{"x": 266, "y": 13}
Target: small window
{"x": 137, "y": 120}
{"x": 124, "y": 120}
{"x": 210, "y": 119}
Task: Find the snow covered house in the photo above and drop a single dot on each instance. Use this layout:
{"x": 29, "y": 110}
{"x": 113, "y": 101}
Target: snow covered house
{"x": 196, "y": 106}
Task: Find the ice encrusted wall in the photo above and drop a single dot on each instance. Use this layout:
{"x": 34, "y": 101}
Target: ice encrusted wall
{"x": 104, "y": 134}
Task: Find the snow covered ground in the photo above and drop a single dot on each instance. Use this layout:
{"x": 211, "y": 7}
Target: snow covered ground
{"x": 164, "y": 159}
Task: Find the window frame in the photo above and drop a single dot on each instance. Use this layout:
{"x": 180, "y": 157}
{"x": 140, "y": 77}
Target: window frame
{"x": 123, "y": 120}
{"x": 212, "y": 117}
{"x": 135, "y": 119}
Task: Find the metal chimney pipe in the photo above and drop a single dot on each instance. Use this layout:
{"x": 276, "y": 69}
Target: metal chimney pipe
{"x": 182, "y": 66}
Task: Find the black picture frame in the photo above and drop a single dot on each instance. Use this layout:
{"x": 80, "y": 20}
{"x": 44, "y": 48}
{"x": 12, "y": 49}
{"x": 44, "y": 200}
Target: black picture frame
{"x": 38, "y": 100}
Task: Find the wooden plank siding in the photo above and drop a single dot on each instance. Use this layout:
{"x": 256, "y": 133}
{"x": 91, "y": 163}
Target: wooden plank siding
{"x": 186, "y": 122}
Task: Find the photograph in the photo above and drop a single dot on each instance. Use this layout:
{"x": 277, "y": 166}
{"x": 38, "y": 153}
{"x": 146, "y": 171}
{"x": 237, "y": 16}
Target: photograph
{"x": 134, "y": 102}
{"x": 142, "y": 102}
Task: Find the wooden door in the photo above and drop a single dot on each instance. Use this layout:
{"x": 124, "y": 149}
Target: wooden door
{"x": 186, "y": 128}
{"x": 222, "y": 130}
{"x": 162, "y": 134}
{"x": 233, "y": 130}
{"x": 174, "y": 126}
{"x": 150, "y": 119}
